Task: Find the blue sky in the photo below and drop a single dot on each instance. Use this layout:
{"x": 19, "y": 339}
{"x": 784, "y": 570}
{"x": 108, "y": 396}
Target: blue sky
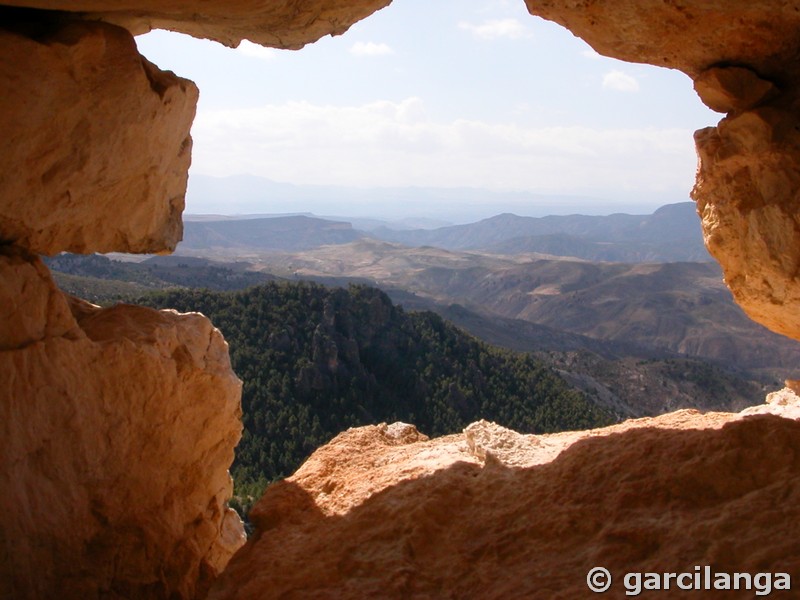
{"x": 444, "y": 93}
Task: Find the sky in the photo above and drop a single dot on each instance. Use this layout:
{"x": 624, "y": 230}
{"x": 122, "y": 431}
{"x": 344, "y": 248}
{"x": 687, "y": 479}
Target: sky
{"x": 442, "y": 94}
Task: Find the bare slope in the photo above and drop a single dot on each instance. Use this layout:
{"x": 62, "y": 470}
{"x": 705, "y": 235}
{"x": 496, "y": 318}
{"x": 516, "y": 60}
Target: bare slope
{"x": 678, "y": 307}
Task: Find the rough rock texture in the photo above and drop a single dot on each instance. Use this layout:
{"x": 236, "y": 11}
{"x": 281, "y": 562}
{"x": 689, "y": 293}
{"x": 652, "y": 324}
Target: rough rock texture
{"x": 278, "y": 23}
{"x": 728, "y": 89}
{"x": 95, "y": 141}
{"x": 494, "y": 514}
{"x": 689, "y": 35}
{"x": 747, "y": 191}
{"x": 117, "y": 427}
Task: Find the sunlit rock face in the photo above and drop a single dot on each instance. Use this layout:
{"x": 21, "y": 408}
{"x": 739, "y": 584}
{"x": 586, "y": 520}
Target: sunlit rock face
{"x": 95, "y": 142}
{"x": 117, "y": 428}
{"x": 117, "y": 425}
{"x": 747, "y": 196}
{"x": 382, "y": 512}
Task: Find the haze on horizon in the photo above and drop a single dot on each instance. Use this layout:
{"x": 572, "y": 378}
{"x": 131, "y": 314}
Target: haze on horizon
{"x": 457, "y": 96}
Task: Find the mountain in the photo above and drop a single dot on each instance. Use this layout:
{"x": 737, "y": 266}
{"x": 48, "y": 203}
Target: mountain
{"x": 671, "y": 233}
{"x": 287, "y": 233}
{"x": 675, "y": 307}
{"x": 614, "y": 372}
{"x": 316, "y": 361}
{"x": 100, "y": 279}
{"x": 676, "y": 250}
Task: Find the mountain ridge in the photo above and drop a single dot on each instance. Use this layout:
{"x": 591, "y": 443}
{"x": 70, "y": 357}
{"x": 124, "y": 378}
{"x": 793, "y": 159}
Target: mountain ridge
{"x": 671, "y": 233}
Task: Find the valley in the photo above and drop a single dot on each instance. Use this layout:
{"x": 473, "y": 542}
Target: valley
{"x": 640, "y": 337}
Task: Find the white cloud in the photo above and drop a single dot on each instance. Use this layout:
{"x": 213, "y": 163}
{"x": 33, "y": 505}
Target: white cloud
{"x": 621, "y": 82}
{"x": 396, "y": 144}
{"x": 252, "y": 50}
{"x": 370, "y": 49}
{"x": 496, "y": 28}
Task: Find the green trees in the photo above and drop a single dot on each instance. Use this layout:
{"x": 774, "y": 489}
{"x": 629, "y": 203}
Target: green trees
{"x": 317, "y": 360}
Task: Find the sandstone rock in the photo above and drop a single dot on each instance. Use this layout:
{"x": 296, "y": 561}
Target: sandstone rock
{"x": 95, "y": 142}
{"x": 117, "y": 427}
{"x": 727, "y": 89}
{"x": 365, "y": 517}
{"x": 281, "y": 23}
{"x": 687, "y": 35}
{"x": 747, "y": 190}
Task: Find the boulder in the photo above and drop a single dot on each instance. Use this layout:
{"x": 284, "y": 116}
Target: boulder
{"x": 117, "y": 429}
{"x": 491, "y": 513}
{"x": 95, "y": 143}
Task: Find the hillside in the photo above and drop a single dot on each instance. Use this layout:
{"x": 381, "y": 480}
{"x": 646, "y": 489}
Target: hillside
{"x": 273, "y": 233}
{"x": 675, "y": 307}
{"x": 316, "y": 361}
{"x": 101, "y": 279}
{"x": 615, "y": 372}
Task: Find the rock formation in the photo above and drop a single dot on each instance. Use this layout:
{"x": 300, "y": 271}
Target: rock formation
{"x": 279, "y": 23}
{"x": 95, "y": 142}
{"x": 383, "y": 512}
{"x": 118, "y": 424}
{"x": 117, "y": 428}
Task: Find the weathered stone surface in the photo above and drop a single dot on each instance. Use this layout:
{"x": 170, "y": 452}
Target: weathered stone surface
{"x": 727, "y": 89}
{"x": 95, "y": 142}
{"x": 368, "y": 516}
{"x": 117, "y": 427}
{"x": 278, "y": 23}
{"x": 686, "y": 34}
{"x": 747, "y": 193}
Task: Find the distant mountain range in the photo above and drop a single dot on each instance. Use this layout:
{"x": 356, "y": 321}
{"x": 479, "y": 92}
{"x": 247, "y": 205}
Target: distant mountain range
{"x": 249, "y": 194}
{"x": 268, "y": 233}
{"x": 670, "y": 234}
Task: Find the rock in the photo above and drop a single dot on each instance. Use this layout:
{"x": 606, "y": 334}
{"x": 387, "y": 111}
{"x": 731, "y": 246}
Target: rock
{"x": 688, "y": 35}
{"x": 366, "y": 517}
{"x": 95, "y": 142}
{"x": 117, "y": 428}
{"x": 727, "y": 89}
{"x": 281, "y": 24}
{"x": 747, "y": 187}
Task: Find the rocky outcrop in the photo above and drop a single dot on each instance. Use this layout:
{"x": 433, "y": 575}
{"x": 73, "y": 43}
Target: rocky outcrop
{"x": 688, "y": 35}
{"x": 278, "y": 23}
{"x": 747, "y": 195}
{"x": 117, "y": 428}
{"x": 117, "y": 425}
{"x": 95, "y": 142}
{"x": 385, "y": 512}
